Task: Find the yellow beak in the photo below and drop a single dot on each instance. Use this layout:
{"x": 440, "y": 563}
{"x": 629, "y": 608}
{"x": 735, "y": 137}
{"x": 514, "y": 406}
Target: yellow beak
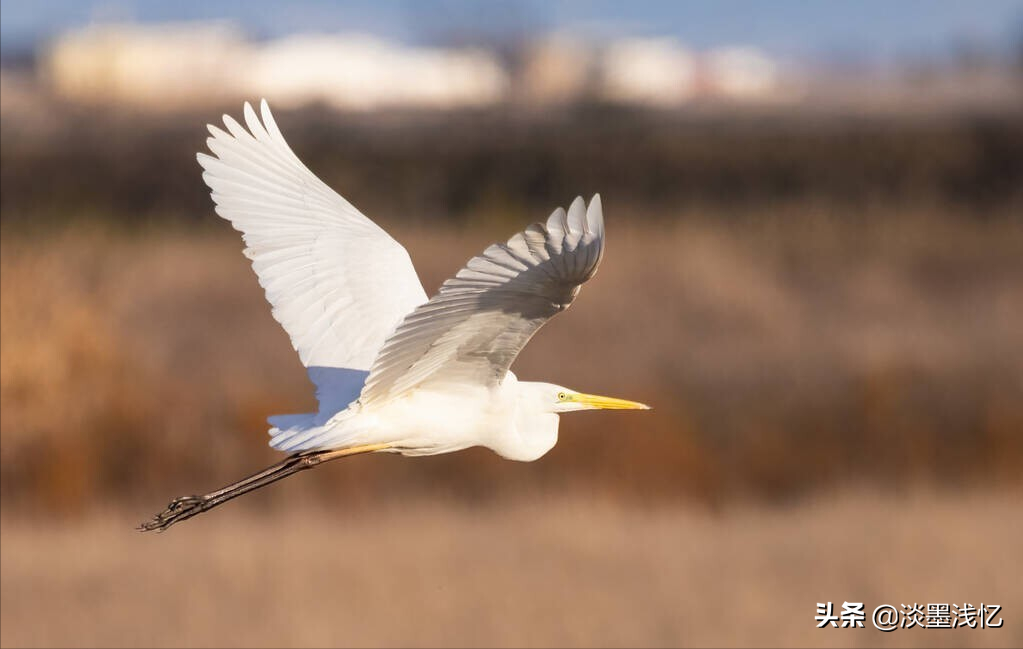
{"x": 608, "y": 403}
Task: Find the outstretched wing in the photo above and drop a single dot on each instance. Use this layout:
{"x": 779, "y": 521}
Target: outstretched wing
{"x": 337, "y": 282}
{"x": 473, "y": 329}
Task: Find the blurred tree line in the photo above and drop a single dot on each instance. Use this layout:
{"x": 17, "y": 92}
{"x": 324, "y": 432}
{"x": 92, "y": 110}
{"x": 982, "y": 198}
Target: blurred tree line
{"x": 467, "y": 166}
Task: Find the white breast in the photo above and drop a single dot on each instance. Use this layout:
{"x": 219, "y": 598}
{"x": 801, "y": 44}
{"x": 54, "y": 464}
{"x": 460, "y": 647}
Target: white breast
{"x": 429, "y": 422}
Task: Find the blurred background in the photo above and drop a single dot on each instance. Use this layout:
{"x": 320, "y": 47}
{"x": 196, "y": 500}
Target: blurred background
{"x": 813, "y": 275}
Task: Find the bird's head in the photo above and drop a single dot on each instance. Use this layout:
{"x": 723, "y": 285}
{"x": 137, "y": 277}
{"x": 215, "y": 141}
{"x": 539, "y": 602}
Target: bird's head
{"x": 559, "y": 399}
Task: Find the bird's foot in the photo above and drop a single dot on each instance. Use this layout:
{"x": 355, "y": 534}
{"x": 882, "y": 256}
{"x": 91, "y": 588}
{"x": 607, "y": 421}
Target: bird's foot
{"x": 178, "y": 509}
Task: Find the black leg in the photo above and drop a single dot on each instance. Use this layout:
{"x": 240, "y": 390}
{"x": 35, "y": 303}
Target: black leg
{"x": 186, "y": 507}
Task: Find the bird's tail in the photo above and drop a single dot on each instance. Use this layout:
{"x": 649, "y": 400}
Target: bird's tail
{"x": 307, "y": 432}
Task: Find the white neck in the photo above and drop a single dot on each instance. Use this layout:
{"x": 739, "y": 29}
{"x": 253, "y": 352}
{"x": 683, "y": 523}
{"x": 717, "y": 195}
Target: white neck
{"x": 534, "y": 428}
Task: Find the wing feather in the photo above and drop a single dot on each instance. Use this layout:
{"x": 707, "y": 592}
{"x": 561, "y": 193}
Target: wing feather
{"x": 473, "y": 329}
{"x": 338, "y": 283}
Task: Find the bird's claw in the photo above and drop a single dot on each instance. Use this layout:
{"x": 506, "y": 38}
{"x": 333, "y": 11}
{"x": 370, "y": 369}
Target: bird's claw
{"x": 181, "y": 502}
{"x": 166, "y": 518}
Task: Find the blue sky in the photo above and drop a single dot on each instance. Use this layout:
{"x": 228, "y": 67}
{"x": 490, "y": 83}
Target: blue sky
{"x": 865, "y": 30}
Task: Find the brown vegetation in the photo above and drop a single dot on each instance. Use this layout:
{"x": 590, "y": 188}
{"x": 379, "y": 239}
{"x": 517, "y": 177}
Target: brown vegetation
{"x": 778, "y": 356}
{"x": 551, "y": 572}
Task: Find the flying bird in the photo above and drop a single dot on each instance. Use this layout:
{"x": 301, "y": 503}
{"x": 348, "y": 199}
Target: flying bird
{"x": 394, "y": 370}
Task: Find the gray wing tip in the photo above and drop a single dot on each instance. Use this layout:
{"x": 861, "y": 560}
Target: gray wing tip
{"x": 595, "y": 215}
{"x": 558, "y": 220}
{"x": 577, "y": 214}
{"x": 587, "y": 218}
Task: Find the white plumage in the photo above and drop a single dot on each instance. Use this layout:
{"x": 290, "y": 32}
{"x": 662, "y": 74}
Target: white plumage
{"x": 337, "y": 282}
{"x": 471, "y": 331}
{"x": 394, "y": 371}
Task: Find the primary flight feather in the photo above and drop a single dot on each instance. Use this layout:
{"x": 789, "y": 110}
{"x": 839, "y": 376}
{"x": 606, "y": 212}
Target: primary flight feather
{"x": 393, "y": 370}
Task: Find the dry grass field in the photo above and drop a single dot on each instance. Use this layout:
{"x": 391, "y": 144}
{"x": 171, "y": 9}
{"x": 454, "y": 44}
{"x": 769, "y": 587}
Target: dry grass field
{"x": 778, "y": 358}
{"x": 552, "y": 571}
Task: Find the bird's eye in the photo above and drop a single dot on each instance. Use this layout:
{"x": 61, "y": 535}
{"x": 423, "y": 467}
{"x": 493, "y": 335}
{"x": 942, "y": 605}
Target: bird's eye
{"x": 562, "y": 396}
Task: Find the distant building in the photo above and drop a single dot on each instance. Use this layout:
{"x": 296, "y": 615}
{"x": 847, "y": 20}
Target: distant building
{"x": 740, "y": 72}
{"x": 168, "y": 65}
{"x": 180, "y": 64}
{"x": 557, "y": 69}
{"x": 362, "y": 72}
{"x": 176, "y": 65}
{"x": 650, "y": 71}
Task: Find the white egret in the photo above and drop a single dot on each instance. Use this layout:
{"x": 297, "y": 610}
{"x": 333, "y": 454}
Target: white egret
{"x": 394, "y": 371}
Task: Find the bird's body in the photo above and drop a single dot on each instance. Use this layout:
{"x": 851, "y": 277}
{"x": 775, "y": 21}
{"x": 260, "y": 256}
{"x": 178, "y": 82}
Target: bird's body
{"x": 394, "y": 371}
{"x": 429, "y": 422}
